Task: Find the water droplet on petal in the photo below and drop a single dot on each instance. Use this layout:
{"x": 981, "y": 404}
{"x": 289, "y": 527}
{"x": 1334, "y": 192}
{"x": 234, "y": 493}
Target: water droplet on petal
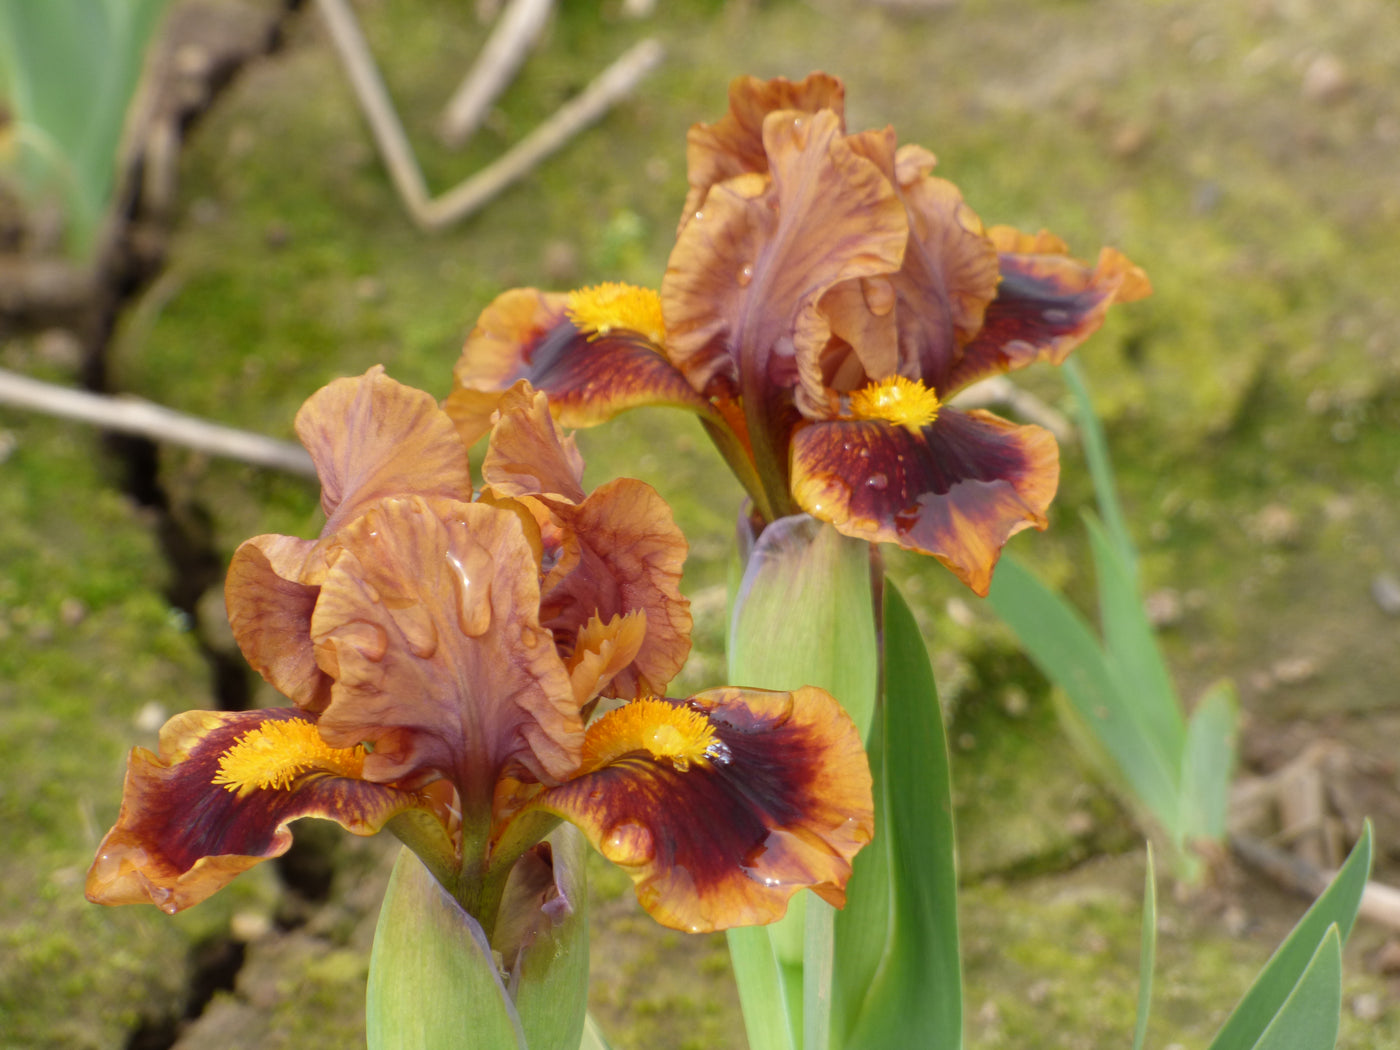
{"x": 698, "y": 216}
{"x": 629, "y": 844}
{"x": 746, "y": 275}
{"x": 779, "y": 860}
{"x": 473, "y": 598}
{"x": 878, "y": 481}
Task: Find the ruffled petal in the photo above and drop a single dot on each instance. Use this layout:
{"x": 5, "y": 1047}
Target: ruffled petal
{"x": 1046, "y": 305}
{"x": 269, "y": 610}
{"x": 733, "y": 145}
{"x": 723, "y": 806}
{"x": 181, "y": 835}
{"x": 589, "y": 377}
{"x": 602, "y": 651}
{"x": 372, "y": 437}
{"x": 745, "y": 276}
{"x": 957, "y": 489}
{"x": 428, "y": 622}
{"x": 611, "y": 554}
{"x": 915, "y": 322}
{"x": 527, "y": 454}
{"x": 622, "y": 552}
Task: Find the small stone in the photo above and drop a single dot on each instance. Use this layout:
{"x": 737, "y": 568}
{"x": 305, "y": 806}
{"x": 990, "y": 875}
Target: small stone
{"x": 72, "y": 612}
{"x": 1326, "y": 80}
{"x": 1294, "y": 670}
{"x": 1163, "y": 607}
{"x": 1387, "y": 959}
{"x": 560, "y": 262}
{"x": 1275, "y": 525}
{"x": 59, "y": 347}
{"x": 1040, "y": 991}
{"x": 1131, "y": 139}
{"x": 1079, "y": 824}
{"x": 249, "y": 926}
{"x": 1367, "y": 1007}
{"x": 1385, "y": 589}
{"x": 151, "y": 717}
{"x": 1014, "y": 701}
{"x": 960, "y": 612}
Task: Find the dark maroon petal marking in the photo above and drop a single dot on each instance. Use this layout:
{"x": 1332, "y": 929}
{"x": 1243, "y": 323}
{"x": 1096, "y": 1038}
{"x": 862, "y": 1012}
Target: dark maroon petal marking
{"x": 180, "y": 836}
{"x": 1046, "y": 305}
{"x": 957, "y": 489}
{"x": 782, "y": 803}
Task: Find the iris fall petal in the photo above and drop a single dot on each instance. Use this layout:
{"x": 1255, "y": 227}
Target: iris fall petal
{"x": 1046, "y": 305}
{"x": 723, "y": 806}
{"x": 957, "y": 488}
{"x": 181, "y": 835}
{"x": 589, "y": 376}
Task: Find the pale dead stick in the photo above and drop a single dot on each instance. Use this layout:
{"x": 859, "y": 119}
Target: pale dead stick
{"x": 516, "y": 32}
{"x": 1380, "y": 903}
{"x": 131, "y": 415}
{"x": 597, "y": 98}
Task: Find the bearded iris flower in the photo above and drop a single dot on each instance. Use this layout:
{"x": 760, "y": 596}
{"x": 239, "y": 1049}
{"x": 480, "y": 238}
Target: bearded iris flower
{"x": 826, "y": 297}
{"x": 444, "y": 656}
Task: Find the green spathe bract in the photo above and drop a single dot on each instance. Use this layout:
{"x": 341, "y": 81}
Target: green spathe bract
{"x": 884, "y": 972}
{"x": 550, "y": 984}
{"x": 803, "y": 614}
{"x": 432, "y": 979}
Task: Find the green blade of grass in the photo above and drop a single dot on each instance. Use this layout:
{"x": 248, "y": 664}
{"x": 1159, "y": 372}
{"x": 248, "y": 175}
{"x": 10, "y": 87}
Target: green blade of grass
{"x": 1148, "y": 957}
{"x": 1271, "y": 990}
{"x": 1310, "y": 1016}
{"x": 1207, "y": 764}
{"x": 1060, "y": 643}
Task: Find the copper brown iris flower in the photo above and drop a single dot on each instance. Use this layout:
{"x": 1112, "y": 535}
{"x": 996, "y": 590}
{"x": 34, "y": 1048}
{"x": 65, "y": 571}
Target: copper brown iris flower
{"x": 444, "y": 655}
{"x": 826, "y": 297}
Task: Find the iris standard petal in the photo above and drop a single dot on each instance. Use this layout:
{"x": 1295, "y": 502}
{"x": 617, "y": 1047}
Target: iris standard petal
{"x": 721, "y": 807}
{"x": 590, "y": 376}
{"x": 621, "y": 553}
{"x": 733, "y": 145}
{"x": 372, "y": 437}
{"x": 610, "y": 554}
{"x": 745, "y": 276}
{"x": 269, "y": 611}
{"x": 1046, "y": 305}
{"x": 528, "y": 456}
{"x": 217, "y": 799}
{"x": 957, "y": 488}
{"x": 428, "y": 621}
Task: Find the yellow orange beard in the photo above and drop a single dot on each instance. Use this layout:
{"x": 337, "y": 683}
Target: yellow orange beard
{"x": 603, "y": 307}
{"x": 277, "y": 752}
{"x": 905, "y": 402}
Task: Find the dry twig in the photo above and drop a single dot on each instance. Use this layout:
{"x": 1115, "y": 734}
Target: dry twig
{"x": 130, "y": 415}
{"x": 516, "y": 32}
{"x": 433, "y": 213}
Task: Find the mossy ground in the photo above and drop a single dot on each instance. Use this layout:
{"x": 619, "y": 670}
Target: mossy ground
{"x": 1253, "y": 407}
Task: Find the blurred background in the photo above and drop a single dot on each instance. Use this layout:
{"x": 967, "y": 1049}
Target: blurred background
{"x": 1245, "y": 153}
